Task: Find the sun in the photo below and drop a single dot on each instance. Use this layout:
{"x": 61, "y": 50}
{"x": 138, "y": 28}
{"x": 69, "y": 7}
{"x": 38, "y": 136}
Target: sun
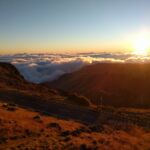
{"x": 141, "y": 46}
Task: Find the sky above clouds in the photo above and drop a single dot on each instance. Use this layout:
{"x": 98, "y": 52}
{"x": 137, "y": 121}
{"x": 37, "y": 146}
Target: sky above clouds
{"x": 70, "y": 25}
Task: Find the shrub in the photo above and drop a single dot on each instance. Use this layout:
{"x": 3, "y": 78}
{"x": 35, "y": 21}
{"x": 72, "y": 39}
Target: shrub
{"x": 10, "y": 108}
{"x": 79, "y": 100}
{"x": 66, "y": 139}
{"x": 37, "y": 118}
{"x": 76, "y": 132}
{"x": 54, "y": 125}
{"x": 3, "y": 139}
{"x": 65, "y": 133}
{"x": 83, "y": 147}
{"x": 12, "y": 105}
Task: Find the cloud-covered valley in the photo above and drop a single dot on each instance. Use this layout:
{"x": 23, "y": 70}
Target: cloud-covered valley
{"x": 39, "y": 68}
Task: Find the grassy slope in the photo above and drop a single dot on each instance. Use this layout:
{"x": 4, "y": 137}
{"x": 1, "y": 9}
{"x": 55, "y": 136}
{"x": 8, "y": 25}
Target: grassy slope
{"x": 22, "y": 128}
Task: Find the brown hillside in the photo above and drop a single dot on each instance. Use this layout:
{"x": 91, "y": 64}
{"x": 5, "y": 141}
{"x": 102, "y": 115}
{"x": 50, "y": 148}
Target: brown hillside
{"x": 23, "y": 129}
{"x": 10, "y": 76}
{"x": 116, "y": 84}
{"x": 11, "y": 81}
{"x": 14, "y": 89}
{"x": 36, "y": 117}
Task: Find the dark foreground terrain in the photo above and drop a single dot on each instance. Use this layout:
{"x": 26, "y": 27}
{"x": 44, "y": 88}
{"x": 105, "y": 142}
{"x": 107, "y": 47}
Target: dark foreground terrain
{"x": 37, "y": 117}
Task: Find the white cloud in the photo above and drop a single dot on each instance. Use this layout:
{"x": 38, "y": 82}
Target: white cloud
{"x": 39, "y": 68}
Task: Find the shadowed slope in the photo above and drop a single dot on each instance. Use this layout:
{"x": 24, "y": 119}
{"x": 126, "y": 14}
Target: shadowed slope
{"x": 14, "y": 89}
{"x": 116, "y": 84}
{"x": 9, "y": 76}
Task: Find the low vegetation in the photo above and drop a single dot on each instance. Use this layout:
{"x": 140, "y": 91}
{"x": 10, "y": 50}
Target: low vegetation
{"x": 78, "y": 100}
{"x": 26, "y": 129}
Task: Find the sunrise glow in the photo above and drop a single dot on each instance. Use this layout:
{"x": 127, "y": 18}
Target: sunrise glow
{"x": 141, "y": 45}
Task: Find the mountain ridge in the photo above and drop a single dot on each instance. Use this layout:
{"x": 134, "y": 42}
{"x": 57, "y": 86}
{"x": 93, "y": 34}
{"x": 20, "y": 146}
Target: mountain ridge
{"x": 117, "y": 84}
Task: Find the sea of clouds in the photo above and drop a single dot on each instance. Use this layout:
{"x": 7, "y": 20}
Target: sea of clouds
{"x": 40, "y": 68}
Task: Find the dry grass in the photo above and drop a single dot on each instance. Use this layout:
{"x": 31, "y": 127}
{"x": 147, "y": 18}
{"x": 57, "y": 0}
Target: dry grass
{"x": 25, "y": 129}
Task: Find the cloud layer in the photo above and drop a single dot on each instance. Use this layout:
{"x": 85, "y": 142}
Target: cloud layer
{"x": 39, "y": 68}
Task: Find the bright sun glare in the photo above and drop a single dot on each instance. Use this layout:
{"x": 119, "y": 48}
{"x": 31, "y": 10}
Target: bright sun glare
{"x": 141, "y": 46}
